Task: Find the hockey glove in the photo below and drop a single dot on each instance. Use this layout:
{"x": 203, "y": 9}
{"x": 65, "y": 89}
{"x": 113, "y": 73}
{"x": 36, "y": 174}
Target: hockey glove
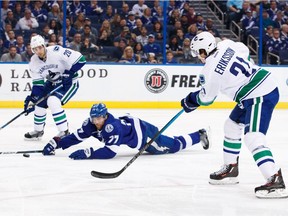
{"x": 29, "y": 104}
{"x": 81, "y": 154}
{"x": 190, "y": 103}
{"x": 49, "y": 149}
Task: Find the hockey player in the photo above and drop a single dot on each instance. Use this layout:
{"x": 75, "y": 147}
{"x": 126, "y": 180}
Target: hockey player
{"x": 50, "y": 67}
{"x": 126, "y": 130}
{"x": 228, "y": 70}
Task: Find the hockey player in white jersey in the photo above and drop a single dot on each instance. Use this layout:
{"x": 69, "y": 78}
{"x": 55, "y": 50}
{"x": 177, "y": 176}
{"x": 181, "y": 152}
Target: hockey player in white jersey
{"x": 228, "y": 70}
{"x": 50, "y": 67}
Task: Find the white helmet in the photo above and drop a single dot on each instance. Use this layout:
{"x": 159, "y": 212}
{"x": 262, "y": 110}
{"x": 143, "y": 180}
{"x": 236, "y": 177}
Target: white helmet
{"x": 203, "y": 40}
{"x": 37, "y": 41}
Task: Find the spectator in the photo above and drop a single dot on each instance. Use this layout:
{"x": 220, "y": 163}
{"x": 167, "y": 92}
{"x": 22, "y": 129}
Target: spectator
{"x": 152, "y": 47}
{"x": 104, "y": 39}
{"x": 88, "y": 49}
{"x": 191, "y": 15}
{"x": 27, "y": 22}
{"x": 76, "y": 7}
{"x": 248, "y": 22}
{"x": 129, "y": 56}
{"x": 146, "y": 18}
{"x": 52, "y": 40}
{"x": 233, "y": 11}
{"x": 170, "y": 58}
{"x": 185, "y": 9}
{"x": 176, "y": 26}
{"x": 18, "y": 12}
{"x": 55, "y": 26}
{"x": 124, "y": 12}
{"x": 180, "y": 37}
{"x": 115, "y": 25}
{"x": 40, "y": 13}
{"x": 137, "y": 29}
{"x": 94, "y": 31}
{"x": 278, "y": 20}
{"x": 209, "y": 26}
{"x": 10, "y": 19}
{"x": 27, "y": 54}
{"x": 20, "y": 44}
{"x": 11, "y": 56}
{"x": 4, "y": 9}
{"x": 186, "y": 49}
{"x": 151, "y": 58}
{"x": 184, "y": 23}
{"x": 11, "y": 40}
{"x": 158, "y": 31}
{"x": 106, "y": 26}
{"x": 158, "y": 16}
{"x": 192, "y": 31}
{"x": 88, "y": 34}
{"x": 139, "y": 8}
{"x": 46, "y": 31}
{"x": 117, "y": 29}
{"x": 138, "y": 50}
{"x": 268, "y": 34}
{"x": 272, "y": 11}
{"x": 79, "y": 23}
{"x": 8, "y": 27}
{"x": 275, "y": 44}
{"x": 143, "y": 37}
{"x": 200, "y": 22}
{"x": 174, "y": 47}
{"x": 76, "y": 43}
{"x": 54, "y": 13}
{"x": 118, "y": 52}
{"x": 108, "y": 15}
{"x": 156, "y": 4}
{"x": 131, "y": 22}
{"x": 266, "y": 21}
{"x": 70, "y": 31}
{"x": 93, "y": 9}
{"x": 174, "y": 17}
{"x": 1, "y": 47}
{"x": 123, "y": 35}
{"x": 284, "y": 33}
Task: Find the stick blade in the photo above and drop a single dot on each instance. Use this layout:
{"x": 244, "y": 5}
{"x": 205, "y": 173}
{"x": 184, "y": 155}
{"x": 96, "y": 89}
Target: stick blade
{"x": 105, "y": 175}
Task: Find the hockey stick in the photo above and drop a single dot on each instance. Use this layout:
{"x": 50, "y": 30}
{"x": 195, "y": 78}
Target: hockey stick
{"x": 116, "y": 174}
{"x": 24, "y": 111}
{"x": 21, "y": 152}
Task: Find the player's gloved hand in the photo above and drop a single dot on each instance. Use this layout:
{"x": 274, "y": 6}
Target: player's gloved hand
{"x": 66, "y": 80}
{"x": 81, "y": 154}
{"x": 29, "y": 104}
{"x": 49, "y": 149}
{"x": 189, "y": 103}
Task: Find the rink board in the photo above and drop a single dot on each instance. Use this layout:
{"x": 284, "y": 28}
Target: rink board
{"x": 126, "y": 86}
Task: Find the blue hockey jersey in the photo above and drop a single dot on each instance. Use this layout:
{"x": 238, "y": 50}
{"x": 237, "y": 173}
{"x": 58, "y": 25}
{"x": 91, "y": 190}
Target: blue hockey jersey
{"x": 125, "y": 130}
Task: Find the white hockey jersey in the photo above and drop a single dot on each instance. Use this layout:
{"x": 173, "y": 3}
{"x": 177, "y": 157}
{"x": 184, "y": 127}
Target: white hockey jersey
{"x": 229, "y": 71}
{"x": 57, "y": 61}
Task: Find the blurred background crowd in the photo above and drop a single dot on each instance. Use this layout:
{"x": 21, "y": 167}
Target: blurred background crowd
{"x": 141, "y": 31}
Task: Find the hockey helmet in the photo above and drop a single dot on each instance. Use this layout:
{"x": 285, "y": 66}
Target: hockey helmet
{"x": 98, "y": 110}
{"x": 203, "y": 40}
{"x": 37, "y": 41}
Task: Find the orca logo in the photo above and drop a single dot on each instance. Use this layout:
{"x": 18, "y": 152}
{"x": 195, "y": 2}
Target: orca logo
{"x": 156, "y": 80}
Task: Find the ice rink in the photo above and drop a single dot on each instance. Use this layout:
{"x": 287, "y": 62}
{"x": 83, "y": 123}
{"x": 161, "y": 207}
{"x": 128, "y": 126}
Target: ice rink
{"x": 168, "y": 185}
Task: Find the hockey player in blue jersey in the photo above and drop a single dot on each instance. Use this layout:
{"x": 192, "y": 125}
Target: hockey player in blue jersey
{"x": 126, "y": 130}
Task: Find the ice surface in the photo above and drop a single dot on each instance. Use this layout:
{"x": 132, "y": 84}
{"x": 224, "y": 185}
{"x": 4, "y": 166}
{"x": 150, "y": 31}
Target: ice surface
{"x": 175, "y": 185}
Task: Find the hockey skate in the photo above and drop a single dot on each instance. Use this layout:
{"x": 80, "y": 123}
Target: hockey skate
{"x": 33, "y": 135}
{"x": 274, "y": 188}
{"x": 62, "y": 134}
{"x": 204, "y": 138}
{"x": 227, "y": 175}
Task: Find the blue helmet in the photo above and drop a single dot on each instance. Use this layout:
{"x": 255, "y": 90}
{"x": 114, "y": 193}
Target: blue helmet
{"x": 98, "y": 110}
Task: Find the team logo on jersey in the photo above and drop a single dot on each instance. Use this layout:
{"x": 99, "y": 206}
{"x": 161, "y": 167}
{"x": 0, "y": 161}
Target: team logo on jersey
{"x": 156, "y": 80}
{"x": 202, "y": 79}
{"x": 109, "y": 128}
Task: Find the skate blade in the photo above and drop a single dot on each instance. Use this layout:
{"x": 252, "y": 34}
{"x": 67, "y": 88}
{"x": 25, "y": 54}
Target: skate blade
{"x": 275, "y": 194}
{"x": 33, "y": 139}
{"x": 225, "y": 181}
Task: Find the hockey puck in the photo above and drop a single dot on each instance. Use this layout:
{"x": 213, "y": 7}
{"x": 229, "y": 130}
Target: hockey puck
{"x": 26, "y": 155}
